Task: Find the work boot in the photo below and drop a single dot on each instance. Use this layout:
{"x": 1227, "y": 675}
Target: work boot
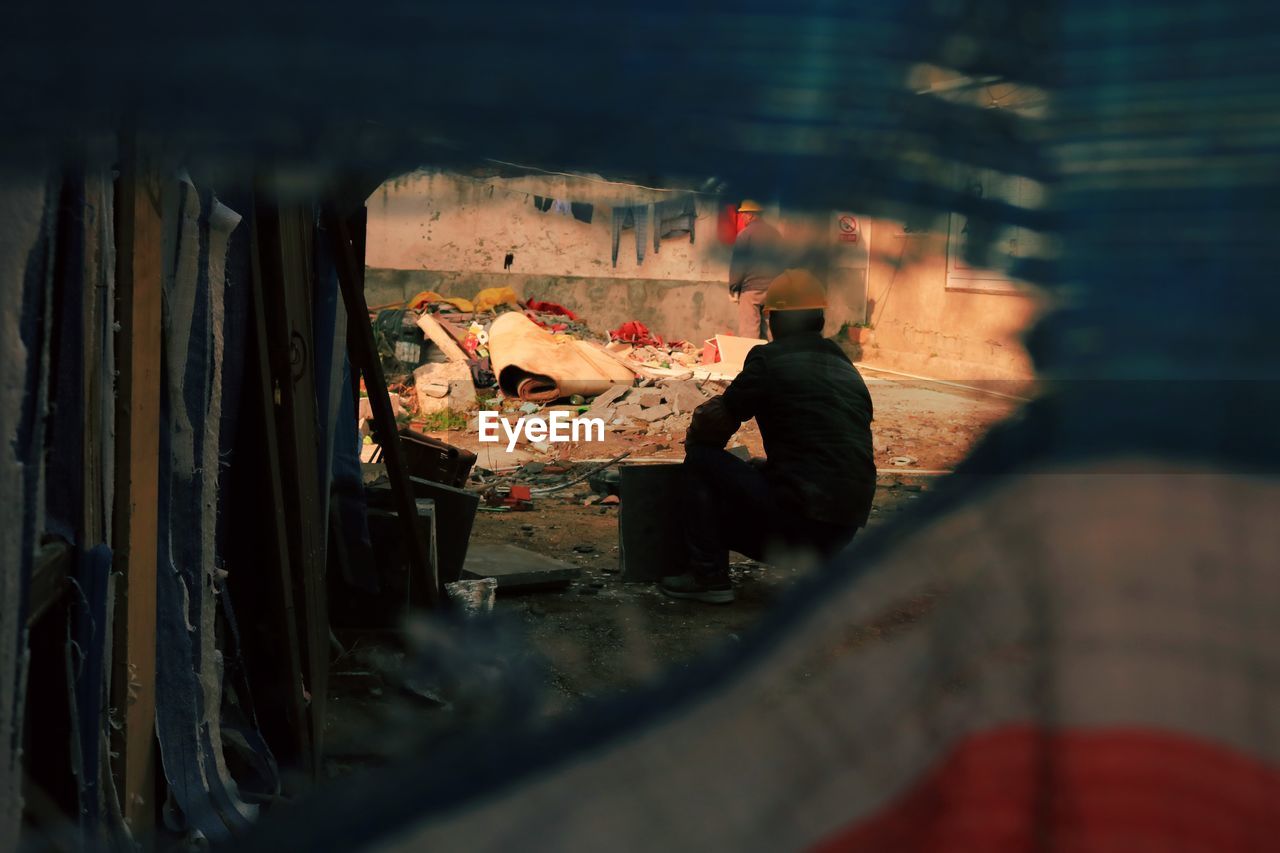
{"x": 707, "y": 589}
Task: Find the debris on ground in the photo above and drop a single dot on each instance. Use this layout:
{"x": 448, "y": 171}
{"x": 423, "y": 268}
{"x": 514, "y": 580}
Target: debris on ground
{"x": 433, "y": 345}
{"x": 473, "y": 595}
{"x": 512, "y": 497}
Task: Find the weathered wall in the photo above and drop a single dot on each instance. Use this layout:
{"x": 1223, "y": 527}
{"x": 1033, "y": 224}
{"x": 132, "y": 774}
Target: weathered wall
{"x": 443, "y": 221}
{"x": 450, "y": 233}
{"x": 689, "y": 310}
{"x": 921, "y": 326}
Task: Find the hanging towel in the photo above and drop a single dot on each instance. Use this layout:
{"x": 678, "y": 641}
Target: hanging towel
{"x": 581, "y": 211}
{"x": 542, "y": 203}
{"x": 560, "y": 207}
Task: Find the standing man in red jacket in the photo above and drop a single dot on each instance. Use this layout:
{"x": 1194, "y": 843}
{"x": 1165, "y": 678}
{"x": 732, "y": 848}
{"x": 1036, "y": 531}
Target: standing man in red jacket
{"x": 758, "y": 259}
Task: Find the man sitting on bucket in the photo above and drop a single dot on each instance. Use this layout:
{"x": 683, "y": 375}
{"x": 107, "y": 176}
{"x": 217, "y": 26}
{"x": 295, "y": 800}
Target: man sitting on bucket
{"x": 814, "y": 490}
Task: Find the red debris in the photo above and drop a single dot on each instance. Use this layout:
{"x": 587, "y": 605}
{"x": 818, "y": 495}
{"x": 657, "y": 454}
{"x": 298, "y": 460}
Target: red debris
{"x": 632, "y": 332}
{"x": 550, "y": 308}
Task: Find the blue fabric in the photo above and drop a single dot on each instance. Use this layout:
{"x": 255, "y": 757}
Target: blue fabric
{"x": 348, "y": 489}
{"x": 198, "y": 797}
{"x": 179, "y": 700}
{"x": 88, "y": 630}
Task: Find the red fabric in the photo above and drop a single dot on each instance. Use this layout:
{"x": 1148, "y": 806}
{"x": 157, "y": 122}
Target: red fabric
{"x": 727, "y": 224}
{"x": 550, "y": 327}
{"x": 1021, "y": 789}
{"x": 632, "y": 332}
{"x": 550, "y": 308}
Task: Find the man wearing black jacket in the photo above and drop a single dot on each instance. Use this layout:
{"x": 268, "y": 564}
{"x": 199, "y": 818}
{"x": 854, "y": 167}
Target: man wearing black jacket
{"x": 814, "y": 490}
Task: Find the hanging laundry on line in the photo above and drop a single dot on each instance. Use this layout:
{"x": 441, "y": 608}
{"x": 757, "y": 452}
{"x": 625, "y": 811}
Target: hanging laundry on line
{"x": 581, "y": 211}
{"x": 673, "y": 218}
{"x": 627, "y": 218}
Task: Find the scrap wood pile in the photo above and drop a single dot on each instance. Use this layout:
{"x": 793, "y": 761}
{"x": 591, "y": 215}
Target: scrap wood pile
{"x": 445, "y": 355}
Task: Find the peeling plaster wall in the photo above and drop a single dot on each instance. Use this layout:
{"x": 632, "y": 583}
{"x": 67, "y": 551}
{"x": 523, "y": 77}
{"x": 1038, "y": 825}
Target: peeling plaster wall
{"x": 920, "y": 326}
{"x": 432, "y": 230}
{"x": 448, "y": 222}
{"x": 446, "y": 232}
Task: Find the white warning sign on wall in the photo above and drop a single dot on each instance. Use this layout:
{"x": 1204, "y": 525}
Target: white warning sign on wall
{"x": 847, "y": 228}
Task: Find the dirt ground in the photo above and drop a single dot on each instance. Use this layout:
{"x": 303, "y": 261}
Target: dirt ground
{"x": 601, "y": 636}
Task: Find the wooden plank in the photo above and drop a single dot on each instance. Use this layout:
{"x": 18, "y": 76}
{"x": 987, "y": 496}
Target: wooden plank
{"x": 139, "y": 235}
{"x": 364, "y": 356}
{"x": 284, "y": 252}
{"x": 272, "y": 629}
{"x": 92, "y": 512}
{"x": 441, "y": 338}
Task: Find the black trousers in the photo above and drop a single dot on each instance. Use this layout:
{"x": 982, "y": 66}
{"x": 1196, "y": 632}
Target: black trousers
{"x": 729, "y": 505}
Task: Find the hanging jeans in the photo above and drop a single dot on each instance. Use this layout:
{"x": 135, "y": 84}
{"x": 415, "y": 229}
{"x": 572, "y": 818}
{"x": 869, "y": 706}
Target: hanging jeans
{"x": 625, "y": 218}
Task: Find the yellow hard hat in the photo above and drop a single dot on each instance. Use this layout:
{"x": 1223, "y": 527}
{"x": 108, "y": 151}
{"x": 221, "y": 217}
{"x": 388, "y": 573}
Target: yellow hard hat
{"x": 750, "y": 206}
{"x": 795, "y": 290}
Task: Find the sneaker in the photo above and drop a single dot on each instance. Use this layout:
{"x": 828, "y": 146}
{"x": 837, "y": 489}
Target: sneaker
{"x": 696, "y": 588}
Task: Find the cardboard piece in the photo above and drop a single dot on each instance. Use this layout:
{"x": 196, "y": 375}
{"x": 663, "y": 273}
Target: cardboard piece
{"x": 733, "y": 352}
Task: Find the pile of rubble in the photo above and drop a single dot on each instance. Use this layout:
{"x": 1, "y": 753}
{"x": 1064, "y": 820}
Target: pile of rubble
{"x": 661, "y": 407}
{"x": 437, "y": 356}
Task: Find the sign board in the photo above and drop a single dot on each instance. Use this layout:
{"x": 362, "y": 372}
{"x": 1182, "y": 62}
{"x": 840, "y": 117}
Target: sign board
{"x": 847, "y": 228}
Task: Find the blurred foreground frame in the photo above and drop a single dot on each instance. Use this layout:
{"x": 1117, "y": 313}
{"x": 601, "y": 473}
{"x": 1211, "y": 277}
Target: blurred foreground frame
{"x": 1107, "y": 554}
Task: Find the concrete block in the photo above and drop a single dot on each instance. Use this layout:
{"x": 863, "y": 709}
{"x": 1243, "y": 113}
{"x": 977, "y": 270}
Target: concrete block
{"x": 607, "y": 397}
{"x": 656, "y": 413}
{"x": 684, "y": 397}
{"x": 647, "y": 398}
{"x": 444, "y": 385}
{"x": 517, "y": 568}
